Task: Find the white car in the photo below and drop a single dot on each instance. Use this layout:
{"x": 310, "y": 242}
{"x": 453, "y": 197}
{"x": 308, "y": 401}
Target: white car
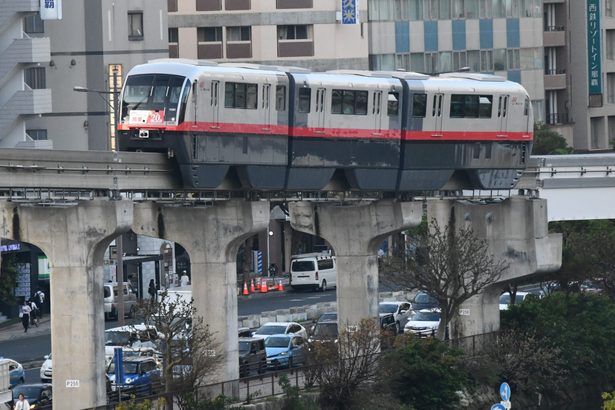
{"x": 131, "y": 336}
{"x": 423, "y": 323}
{"x": 401, "y": 312}
{"x": 46, "y": 369}
{"x": 276, "y": 328}
{"x": 519, "y": 297}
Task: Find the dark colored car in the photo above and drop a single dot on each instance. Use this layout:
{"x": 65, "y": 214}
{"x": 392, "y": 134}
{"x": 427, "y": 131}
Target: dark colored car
{"x": 38, "y": 394}
{"x": 423, "y": 300}
{"x": 388, "y": 330}
{"x": 323, "y": 332}
{"x": 139, "y": 372}
{"x": 252, "y": 356}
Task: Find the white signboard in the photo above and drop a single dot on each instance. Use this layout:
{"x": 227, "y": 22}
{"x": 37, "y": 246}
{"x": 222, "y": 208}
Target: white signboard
{"x": 51, "y": 9}
{"x": 72, "y": 384}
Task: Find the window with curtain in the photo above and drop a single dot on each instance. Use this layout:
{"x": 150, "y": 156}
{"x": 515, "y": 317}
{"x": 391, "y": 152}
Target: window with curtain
{"x": 499, "y": 59}
{"x": 135, "y": 25}
{"x": 239, "y": 33}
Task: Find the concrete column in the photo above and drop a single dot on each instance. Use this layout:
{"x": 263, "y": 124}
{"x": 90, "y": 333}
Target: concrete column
{"x": 517, "y": 231}
{"x": 74, "y": 238}
{"x": 355, "y": 232}
{"x": 211, "y": 236}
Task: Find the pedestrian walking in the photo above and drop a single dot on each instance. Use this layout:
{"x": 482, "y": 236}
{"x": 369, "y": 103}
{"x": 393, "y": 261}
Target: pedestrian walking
{"x": 152, "y": 290}
{"x": 39, "y": 298}
{"x": 33, "y": 313}
{"x": 24, "y": 313}
{"x": 22, "y": 403}
{"x": 184, "y": 280}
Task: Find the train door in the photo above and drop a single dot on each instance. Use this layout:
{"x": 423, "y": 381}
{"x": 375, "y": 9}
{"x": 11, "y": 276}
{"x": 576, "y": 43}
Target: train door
{"x": 266, "y": 107}
{"x": 436, "y": 113}
{"x": 503, "y": 114}
{"x": 376, "y": 110}
{"x": 320, "y": 108}
{"x": 215, "y": 106}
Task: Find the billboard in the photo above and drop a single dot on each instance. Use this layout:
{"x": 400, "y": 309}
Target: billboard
{"x": 594, "y": 68}
{"x": 51, "y": 9}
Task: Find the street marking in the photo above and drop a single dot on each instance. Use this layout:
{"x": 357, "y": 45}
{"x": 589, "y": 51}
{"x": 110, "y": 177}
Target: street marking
{"x": 296, "y": 300}
{"x": 314, "y": 297}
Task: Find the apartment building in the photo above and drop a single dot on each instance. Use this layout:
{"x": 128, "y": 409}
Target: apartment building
{"x": 93, "y": 46}
{"x": 22, "y": 94}
{"x": 503, "y": 37}
{"x": 305, "y": 33}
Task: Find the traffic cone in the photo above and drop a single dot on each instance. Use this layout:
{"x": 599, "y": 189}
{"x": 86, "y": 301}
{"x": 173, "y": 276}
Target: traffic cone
{"x": 280, "y": 286}
{"x": 252, "y": 286}
{"x": 245, "y": 289}
{"x": 264, "y": 288}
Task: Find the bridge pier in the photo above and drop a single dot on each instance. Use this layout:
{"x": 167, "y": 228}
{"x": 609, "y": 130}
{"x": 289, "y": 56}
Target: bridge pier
{"x": 355, "y": 232}
{"x": 211, "y": 236}
{"x": 74, "y": 238}
{"x": 517, "y": 231}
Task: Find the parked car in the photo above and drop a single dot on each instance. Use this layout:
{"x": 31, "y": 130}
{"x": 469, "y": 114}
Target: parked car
{"x": 252, "y": 355}
{"x": 401, "y": 312}
{"x": 46, "y": 369}
{"x": 324, "y": 331}
{"x": 110, "y": 300}
{"x": 328, "y": 317}
{"x": 16, "y": 373}
{"x": 423, "y": 323}
{"x": 519, "y": 298}
{"x": 274, "y": 328}
{"x": 38, "y": 394}
{"x": 388, "y": 329}
{"x": 285, "y": 350}
{"x": 140, "y": 373}
{"x": 424, "y": 300}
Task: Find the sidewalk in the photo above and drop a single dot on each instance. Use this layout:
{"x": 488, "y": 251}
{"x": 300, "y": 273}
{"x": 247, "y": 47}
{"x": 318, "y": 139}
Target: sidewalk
{"x": 15, "y": 331}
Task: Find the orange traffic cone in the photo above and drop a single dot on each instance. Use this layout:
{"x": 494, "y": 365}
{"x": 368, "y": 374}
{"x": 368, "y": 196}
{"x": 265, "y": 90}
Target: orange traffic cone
{"x": 264, "y": 288}
{"x": 252, "y": 286}
{"x": 280, "y": 286}
{"x": 245, "y": 289}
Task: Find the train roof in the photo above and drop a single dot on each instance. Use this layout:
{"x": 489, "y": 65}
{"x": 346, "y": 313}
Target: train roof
{"x": 194, "y": 68}
{"x": 344, "y": 79}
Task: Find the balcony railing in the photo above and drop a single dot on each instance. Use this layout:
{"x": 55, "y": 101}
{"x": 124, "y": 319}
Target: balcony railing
{"x": 558, "y": 118}
{"x": 555, "y": 28}
{"x": 555, "y": 71}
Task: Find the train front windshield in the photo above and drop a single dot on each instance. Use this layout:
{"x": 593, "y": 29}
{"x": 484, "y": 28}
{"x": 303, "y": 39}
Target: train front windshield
{"x": 154, "y": 99}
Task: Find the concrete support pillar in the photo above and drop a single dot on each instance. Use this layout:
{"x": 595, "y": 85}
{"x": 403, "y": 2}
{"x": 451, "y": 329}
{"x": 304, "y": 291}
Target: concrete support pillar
{"x": 74, "y": 238}
{"x": 355, "y": 232}
{"x": 211, "y": 236}
{"x": 517, "y": 231}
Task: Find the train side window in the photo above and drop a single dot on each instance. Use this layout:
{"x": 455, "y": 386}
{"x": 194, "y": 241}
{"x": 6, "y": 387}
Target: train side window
{"x": 266, "y": 96}
{"x": 456, "y": 106}
{"x": 504, "y": 106}
{"x": 305, "y": 100}
{"x": 485, "y": 104}
{"x": 526, "y": 107}
{"x": 280, "y": 98}
{"x": 419, "y": 105}
{"x": 336, "y": 102}
{"x": 360, "y": 102}
{"x": 393, "y": 104}
{"x": 240, "y": 95}
{"x": 435, "y": 103}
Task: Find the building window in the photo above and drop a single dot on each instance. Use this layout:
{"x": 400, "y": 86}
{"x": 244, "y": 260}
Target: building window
{"x": 209, "y": 34}
{"x": 237, "y": 5}
{"x": 486, "y": 60}
{"x": 35, "y": 77}
{"x": 459, "y": 60}
{"x": 135, "y": 25}
{"x": 240, "y": 95}
{"x": 349, "y": 102}
{"x": 608, "y": 8}
{"x": 514, "y": 61}
{"x": 208, "y": 5}
{"x": 172, "y": 5}
{"x": 238, "y": 33}
{"x": 499, "y": 59}
{"x": 485, "y": 9}
{"x": 34, "y": 24}
{"x": 294, "y": 4}
{"x": 173, "y": 42}
{"x": 295, "y": 32}
{"x": 37, "y": 135}
{"x": 402, "y": 62}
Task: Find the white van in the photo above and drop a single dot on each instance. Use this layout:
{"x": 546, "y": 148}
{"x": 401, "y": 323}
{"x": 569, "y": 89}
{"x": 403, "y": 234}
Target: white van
{"x": 313, "y": 270}
{"x": 110, "y": 298}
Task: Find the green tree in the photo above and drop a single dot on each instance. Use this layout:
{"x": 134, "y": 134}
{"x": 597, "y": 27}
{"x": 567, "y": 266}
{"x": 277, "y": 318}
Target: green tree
{"x": 424, "y": 373}
{"x": 581, "y": 327}
{"x": 8, "y": 279}
{"x": 548, "y": 142}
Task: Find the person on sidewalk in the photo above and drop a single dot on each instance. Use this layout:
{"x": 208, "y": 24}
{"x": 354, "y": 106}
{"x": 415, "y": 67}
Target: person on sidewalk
{"x": 25, "y": 315}
{"x": 152, "y": 290}
{"x": 33, "y": 313}
{"x": 22, "y": 403}
{"x": 39, "y": 298}
{"x": 184, "y": 280}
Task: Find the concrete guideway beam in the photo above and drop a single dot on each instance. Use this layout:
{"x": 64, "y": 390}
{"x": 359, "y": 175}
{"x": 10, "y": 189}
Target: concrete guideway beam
{"x": 517, "y": 231}
{"x": 211, "y": 236}
{"x": 74, "y": 239}
{"x": 355, "y": 232}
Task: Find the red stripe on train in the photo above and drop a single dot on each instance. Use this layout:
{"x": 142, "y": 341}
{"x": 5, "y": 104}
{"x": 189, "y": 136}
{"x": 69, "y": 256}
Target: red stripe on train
{"x": 261, "y": 129}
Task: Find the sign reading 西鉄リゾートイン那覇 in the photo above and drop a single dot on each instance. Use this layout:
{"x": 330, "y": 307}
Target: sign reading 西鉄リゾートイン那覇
{"x": 350, "y": 11}
{"x": 51, "y": 9}
{"x": 594, "y": 68}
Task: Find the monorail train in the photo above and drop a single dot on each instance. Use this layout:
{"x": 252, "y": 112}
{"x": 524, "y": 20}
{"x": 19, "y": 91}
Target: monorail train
{"x": 250, "y": 127}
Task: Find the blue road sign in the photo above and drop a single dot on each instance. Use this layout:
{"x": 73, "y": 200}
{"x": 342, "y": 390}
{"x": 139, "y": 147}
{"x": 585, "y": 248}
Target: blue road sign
{"x": 505, "y": 391}
{"x": 498, "y": 407}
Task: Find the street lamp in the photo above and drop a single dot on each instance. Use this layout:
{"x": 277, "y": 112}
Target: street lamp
{"x": 269, "y": 233}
